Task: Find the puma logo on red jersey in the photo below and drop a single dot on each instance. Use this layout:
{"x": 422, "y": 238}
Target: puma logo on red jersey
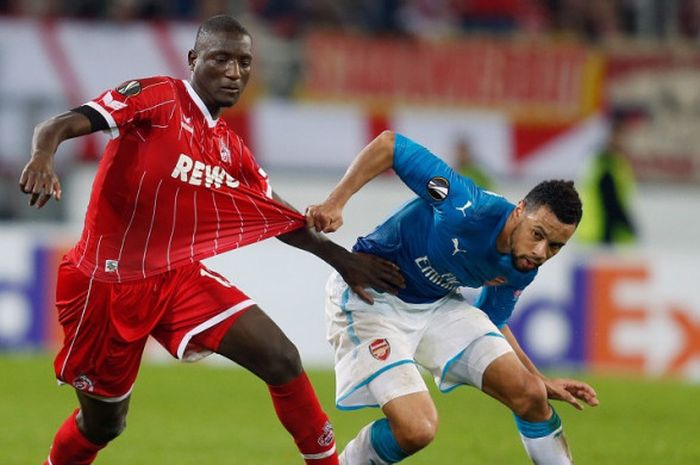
{"x": 197, "y": 172}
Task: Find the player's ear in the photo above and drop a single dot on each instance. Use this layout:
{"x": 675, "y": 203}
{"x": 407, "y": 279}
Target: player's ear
{"x": 520, "y": 208}
{"x": 191, "y": 58}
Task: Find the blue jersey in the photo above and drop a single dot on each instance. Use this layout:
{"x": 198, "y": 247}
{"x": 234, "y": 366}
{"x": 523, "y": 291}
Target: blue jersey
{"x": 446, "y": 238}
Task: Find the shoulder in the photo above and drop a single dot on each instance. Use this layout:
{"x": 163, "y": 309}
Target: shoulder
{"x": 147, "y": 86}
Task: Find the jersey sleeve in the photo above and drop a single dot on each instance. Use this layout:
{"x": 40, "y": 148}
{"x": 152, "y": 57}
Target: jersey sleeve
{"x": 498, "y": 302}
{"x": 432, "y": 179}
{"x": 135, "y": 102}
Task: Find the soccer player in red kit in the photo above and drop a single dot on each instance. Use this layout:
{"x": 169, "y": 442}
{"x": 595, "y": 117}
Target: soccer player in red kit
{"x": 175, "y": 185}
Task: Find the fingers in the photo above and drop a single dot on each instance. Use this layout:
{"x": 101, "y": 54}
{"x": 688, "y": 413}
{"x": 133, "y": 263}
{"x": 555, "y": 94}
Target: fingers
{"x": 43, "y": 198}
{"x": 57, "y": 191}
{"x": 23, "y": 179}
{"x": 27, "y": 181}
{"x": 571, "y": 391}
{"x": 360, "y": 291}
{"x": 41, "y": 188}
{"x": 322, "y": 219}
{"x": 586, "y": 393}
{"x": 391, "y": 275}
{"x": 570, "y": 399}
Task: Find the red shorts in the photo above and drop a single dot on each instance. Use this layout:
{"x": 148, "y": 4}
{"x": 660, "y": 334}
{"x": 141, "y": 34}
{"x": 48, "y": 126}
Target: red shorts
{"x": 106, "y": 325}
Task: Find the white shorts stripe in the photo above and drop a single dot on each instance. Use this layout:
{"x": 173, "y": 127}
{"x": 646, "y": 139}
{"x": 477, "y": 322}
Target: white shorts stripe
{"x": 209, "y": 323}
{"x": 82, "y": 315}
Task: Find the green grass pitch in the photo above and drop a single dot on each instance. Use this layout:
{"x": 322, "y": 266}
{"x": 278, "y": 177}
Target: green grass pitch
{"x": 202, "y": 414}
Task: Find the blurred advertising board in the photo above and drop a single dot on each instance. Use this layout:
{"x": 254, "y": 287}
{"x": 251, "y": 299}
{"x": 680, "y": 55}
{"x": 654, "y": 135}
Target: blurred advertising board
{"x": 27, "y": 290}
{"x": 660, "y": 87}
{"x": 590, "y": 310}
{"x": 612, "y": 312}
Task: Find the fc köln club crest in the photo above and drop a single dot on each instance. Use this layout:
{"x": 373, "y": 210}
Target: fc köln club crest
{"x": 380, "y": 349}
{"x": 225, "y": 152}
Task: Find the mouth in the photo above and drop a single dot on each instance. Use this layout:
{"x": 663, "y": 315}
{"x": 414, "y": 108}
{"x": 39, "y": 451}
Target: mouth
{"x": 527, "y": 264}
{"x": 233, "y": 90}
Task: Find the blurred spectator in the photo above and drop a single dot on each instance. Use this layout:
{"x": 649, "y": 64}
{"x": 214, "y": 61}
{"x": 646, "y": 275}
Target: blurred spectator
{"x": 500, "y": 16}
{"x": 467, "y": 167}
{"x": 429, "y": 18}
{"x": 594, "y": 20}
{"x": 607, "y": 192}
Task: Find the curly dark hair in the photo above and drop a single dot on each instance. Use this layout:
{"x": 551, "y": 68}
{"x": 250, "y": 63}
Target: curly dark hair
{"x": 561, "y": 198}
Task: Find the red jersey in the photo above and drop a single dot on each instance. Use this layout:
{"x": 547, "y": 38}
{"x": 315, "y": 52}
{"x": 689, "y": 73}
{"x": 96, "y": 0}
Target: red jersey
{"x": 174, "y": 186}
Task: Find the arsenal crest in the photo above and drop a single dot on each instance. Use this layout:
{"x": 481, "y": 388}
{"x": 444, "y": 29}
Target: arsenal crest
{"x": 380, "y": 349}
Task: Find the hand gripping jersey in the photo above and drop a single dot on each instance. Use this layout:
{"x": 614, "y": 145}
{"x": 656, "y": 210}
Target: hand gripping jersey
{"x": 446, "y": 238}
{"x": 174, "y": 186}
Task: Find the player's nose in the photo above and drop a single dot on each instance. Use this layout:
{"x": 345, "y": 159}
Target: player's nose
{"x": 233, "y": 70}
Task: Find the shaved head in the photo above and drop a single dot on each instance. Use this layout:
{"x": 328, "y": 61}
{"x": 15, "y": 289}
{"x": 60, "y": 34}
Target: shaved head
{"x": 217, "y": 24}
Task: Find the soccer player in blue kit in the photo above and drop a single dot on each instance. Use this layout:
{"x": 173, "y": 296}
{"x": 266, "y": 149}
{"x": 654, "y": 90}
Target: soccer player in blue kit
{"x": 454, "y": 234}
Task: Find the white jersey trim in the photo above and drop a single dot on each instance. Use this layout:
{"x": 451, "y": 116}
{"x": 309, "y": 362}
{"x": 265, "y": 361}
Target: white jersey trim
{"x": 200, "y": 104}
{"x": 113, "y": 129}
{"x": 210, "y": 323}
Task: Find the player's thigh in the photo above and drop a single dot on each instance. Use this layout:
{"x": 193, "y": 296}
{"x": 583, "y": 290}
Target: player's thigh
{"x": 459, "y": 344}
{"x": 374, "y": 346}
{"x": 256, "y": 343}
{"x": 201, "y": 306}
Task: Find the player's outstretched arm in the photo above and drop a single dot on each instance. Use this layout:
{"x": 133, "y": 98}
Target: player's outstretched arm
{"x": 564, "y": 389}
{"x": 374, "y": 159}
{"x": 360, "y": 271}
{"x": 38, "y": 178}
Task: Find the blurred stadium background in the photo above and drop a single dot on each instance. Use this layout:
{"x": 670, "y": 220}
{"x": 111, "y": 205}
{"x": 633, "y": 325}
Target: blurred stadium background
{"x": 528, "y": 83}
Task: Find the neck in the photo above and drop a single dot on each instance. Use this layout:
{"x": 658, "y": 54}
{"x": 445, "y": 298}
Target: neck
{"x": 214, "y": 110}
{"x": 503, "y": 244}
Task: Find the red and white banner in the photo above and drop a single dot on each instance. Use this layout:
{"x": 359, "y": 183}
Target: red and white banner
{"x": 662, "y": 87}
{"x": 528, "y": 80}
{"x": 527, "y": 108}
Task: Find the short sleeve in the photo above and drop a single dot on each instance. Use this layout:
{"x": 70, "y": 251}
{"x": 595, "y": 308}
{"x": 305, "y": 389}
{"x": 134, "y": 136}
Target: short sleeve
{"x": 136, "y": 101}
{"x": 432, "y": 179}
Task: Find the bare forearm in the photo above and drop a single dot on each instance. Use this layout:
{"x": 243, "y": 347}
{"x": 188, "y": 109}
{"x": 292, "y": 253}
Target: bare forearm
{"x": 374, "y": 159}
{"x": 315, "y": 243}
{"x": 49, "y": 134}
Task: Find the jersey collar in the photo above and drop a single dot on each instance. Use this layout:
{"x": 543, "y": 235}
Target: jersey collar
{"x": 211, "y": 122}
